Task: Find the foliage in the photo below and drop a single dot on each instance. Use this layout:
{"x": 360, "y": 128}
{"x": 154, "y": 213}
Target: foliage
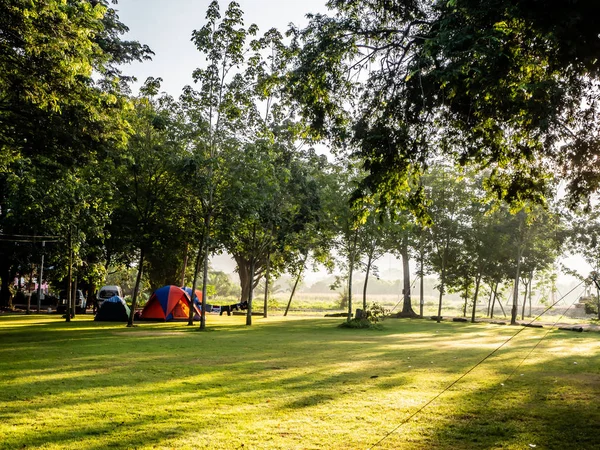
{"x": 222, "y": 285}
{"x": 342, "y": 301}
{"x": 62, "y": 119}
{"x": 591, "y": 305}
{"x": 371, "y": 318}
{"x": 360, "y": 324}
{"x": 375, "y": 312}
{"x": 506, "y": 86}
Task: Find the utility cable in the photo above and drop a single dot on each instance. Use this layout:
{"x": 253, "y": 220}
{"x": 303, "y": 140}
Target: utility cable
{"x": 39, "y": 238}
{"x": 466, "y": 373}
{"x": 552, "y": 328}
{"x": 26, "y": 241}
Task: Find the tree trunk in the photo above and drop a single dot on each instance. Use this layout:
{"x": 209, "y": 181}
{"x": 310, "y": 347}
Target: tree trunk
{"x": 250, "y": 294}
{"x": 74, "y": 295}
{"x": 91, "y": 297}
{"x": 68, "y": 311}
{"x": 513, "y": 313}
{"x": 185, "y": 260}
{"x": 442, "y": 287}
{"x": 598, "y": 305}
{"x": 466, "y": 300}
{"x": 422, "y": 284}
{"x": 287, "y": 308}
{"x": 28, "y": 310}
{"x": 598, "y": 300}
{"x": 407, "y": 310}
{"x": 40, "y": 280}
{"x": 494, "y": 300}
{"x": 502, "y": 308}
{"x": 351, "y": 260}
{"x": 524, "y": 299}
{"x": 244, "y": 268}
{"x": 368, "y": 270}
{"x": 531, "y": 278}
{"x": 442, "y": 284}
{"x": 136, "y": 289}
{"x": 247, "y": 281}
{"x": 267, "y": 274}
{"x": 204, "y": 286}
{"x": 490, "y": 299}
{"x": 194, "y": 281}
{"x": 204, "y": 246}
{"x": 5, "y": 288}
{"x": 475, "y": 295}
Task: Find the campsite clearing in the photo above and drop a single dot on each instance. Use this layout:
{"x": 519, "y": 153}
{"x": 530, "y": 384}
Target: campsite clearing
{"x": 294, "y": 383}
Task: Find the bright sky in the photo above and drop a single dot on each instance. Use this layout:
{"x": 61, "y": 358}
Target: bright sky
{"x": 166, "y": 27}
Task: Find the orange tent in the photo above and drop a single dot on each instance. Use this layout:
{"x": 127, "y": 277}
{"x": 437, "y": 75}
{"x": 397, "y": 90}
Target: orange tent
{"x": 168, "y": 303}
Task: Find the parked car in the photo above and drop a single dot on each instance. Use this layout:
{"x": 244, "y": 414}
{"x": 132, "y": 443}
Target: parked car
{"x": 80, "y": 303}
{"x": 107, "y": 292}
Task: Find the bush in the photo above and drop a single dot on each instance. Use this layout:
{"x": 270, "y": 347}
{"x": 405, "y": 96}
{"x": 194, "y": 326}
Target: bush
{"x": 376, "y": 312}
{"x": 591, "y": 305}
{"x": 273, "y": 304}
{"x": 370, "y": 319}
{"x": 361, "y": 323}
{"x": 343, "y": 300}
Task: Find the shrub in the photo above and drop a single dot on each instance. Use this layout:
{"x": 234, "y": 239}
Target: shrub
{"x": 370, "y": 319}
{"x": 376, "y": 312}
{"x": 359, "y": 323}
{"x": 273, "y": 303}
{"x": 343, "y": 300}
{"x": 591, "y": 305}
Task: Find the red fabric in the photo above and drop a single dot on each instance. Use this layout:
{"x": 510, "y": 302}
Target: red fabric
{"x": 176, "y": 305}
{"x": 153, "y": 310}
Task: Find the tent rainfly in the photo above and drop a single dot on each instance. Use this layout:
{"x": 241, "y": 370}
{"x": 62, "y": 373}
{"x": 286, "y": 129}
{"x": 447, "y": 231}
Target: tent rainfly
{"x": 197, "y": 297}
{"x": 168, "y": 303}
{"x": 113, "y": 309}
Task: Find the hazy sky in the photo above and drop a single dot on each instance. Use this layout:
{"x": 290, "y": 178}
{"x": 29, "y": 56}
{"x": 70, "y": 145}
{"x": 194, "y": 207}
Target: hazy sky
{"x": 166, "y": 26}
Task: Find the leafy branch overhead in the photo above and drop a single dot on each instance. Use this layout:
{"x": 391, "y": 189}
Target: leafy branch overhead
{"x": 506, "y": 86}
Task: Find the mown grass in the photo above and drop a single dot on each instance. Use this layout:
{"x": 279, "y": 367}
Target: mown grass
{"x": 293, "y": 383}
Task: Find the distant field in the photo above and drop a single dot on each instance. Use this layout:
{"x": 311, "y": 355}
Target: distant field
{"x": 564, "y": 312}
{"x": 294, "y": 383}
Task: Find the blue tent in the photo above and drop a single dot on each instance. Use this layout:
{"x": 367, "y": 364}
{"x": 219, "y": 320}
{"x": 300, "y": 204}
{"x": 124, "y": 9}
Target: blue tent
{"x": 168, "y": 303}
{"x": 197, "y": 297}
{"x": 114, "y": 309}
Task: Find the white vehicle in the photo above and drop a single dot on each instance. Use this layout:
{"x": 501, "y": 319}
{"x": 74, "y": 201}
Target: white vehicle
{"x": 107, "y": 292}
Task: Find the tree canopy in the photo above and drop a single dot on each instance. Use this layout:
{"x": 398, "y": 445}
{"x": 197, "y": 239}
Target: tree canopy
{"x": 508, "y": 86}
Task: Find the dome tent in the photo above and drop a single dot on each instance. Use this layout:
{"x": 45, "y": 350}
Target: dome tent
{"x": 168, "y": 303}
{"x": 197, "y": 297}
{"x": 113, "y": 309}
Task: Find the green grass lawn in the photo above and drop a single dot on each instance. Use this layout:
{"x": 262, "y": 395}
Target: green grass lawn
{"x": 294, "y": 383}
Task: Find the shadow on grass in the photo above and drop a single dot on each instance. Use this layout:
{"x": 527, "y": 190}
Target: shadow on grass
{"x": 301, "y": 364}
{"x": 541, "y": 408}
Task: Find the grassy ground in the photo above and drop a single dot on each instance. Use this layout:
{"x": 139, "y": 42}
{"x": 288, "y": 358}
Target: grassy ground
{"x": 294, "y": 383}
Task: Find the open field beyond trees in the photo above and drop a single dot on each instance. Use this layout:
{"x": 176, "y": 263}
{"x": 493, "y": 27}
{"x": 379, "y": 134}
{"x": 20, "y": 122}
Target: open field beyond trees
{"x": 294, "y": 383}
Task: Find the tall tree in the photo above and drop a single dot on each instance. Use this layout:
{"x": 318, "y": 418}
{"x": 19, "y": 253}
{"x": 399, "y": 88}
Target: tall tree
{"x": 150, "y": 214}
{"x": 61, "y": 107}
{"x": 448, "y": 197}
{"x": 222, "y": 102}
